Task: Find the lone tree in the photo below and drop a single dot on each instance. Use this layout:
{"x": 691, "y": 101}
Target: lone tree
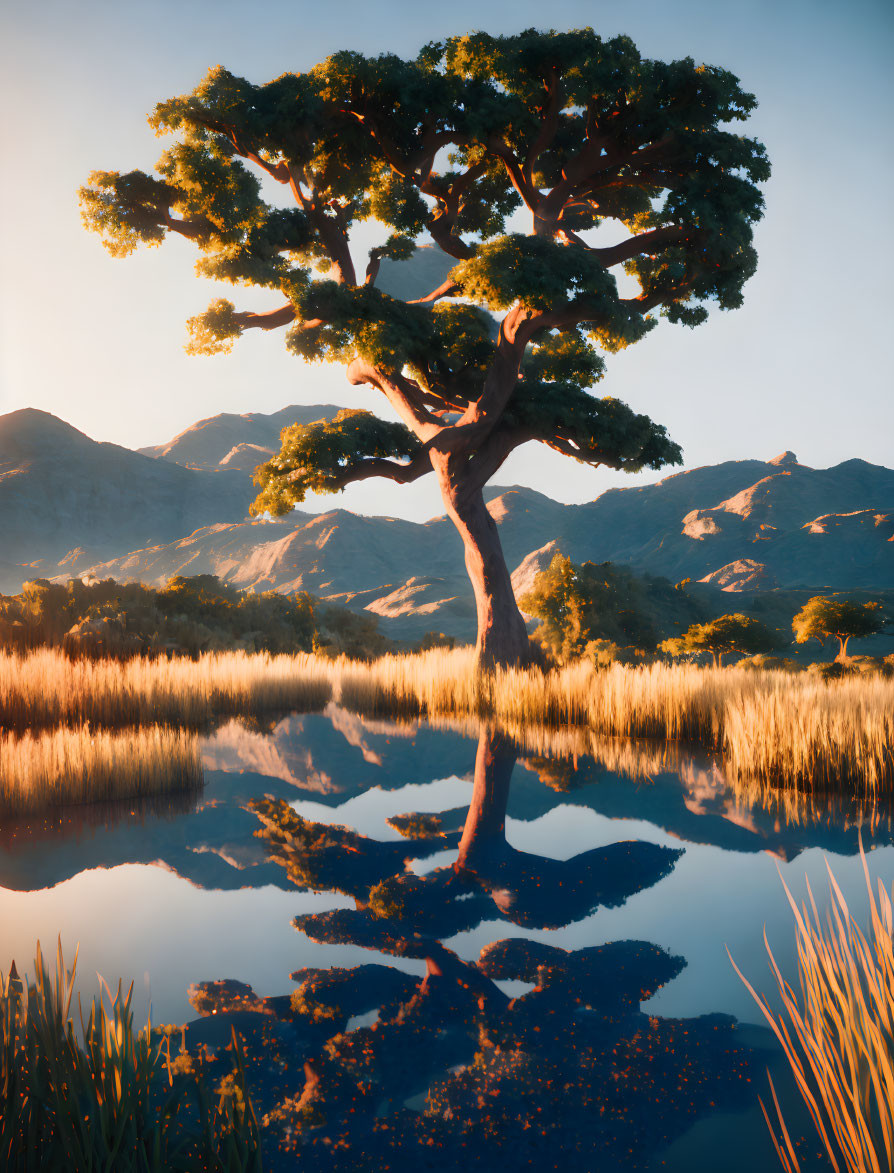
{"x": 825, "y": 618}
{"x": 723, "y": 636}
{"x": 567, "y": 130}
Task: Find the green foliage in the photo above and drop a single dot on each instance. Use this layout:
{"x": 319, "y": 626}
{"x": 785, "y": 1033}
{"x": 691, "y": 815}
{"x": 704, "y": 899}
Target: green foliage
{"x": 726, "y": 634}
{"x": 824, "y": 617}
{"x": 188, "y": 615}
{"x": 579, "y": 130}
{"x": 314, "y": 457}
{"x": 111, "y": 1101}
{"x": 597, "y": 610}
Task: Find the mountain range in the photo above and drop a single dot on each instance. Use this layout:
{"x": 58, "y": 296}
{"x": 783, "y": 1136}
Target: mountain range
{"x": 70, "y": 506}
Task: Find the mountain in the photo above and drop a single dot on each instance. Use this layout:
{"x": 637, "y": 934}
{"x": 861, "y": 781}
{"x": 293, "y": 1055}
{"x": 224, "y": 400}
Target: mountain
{"x": 242, "y": 442}
{"x": 65, "y": 498}
{"x": 69, "y": 505}
{"x": 235, "y": 442}
{"x": 736, "y": 526}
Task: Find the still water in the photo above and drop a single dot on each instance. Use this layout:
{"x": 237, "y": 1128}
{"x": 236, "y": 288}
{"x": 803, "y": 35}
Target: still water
{"x": 172, "y": 894}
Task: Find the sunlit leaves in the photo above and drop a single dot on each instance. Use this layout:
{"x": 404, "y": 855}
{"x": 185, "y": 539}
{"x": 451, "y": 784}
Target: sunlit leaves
{"x": 314, "y": 457}
{"x": 126, "y": 210}
{"x": 214, "y": 331}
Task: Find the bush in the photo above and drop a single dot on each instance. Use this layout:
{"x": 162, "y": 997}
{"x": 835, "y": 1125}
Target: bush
{"x": 188, "y": 616}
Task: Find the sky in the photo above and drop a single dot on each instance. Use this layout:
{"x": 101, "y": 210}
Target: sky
{"x": 804, "y": 365}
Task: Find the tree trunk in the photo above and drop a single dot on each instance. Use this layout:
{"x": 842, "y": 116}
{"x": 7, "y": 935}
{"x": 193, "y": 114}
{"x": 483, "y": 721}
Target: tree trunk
{"x": 502, "y": 635}
{"x": 484, "y": 832}
{"x": 842, "y": 648}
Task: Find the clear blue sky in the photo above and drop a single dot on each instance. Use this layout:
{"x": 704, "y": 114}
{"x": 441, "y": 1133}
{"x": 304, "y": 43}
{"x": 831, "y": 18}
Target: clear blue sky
{"x": 804, "y": 365}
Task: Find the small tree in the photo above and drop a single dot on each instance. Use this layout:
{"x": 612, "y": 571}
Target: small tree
{"x": 580, "y": 606}
{"x": 723, "y": 636}
{"x": 576, "y": 131}
{"x": 825, "y": 618}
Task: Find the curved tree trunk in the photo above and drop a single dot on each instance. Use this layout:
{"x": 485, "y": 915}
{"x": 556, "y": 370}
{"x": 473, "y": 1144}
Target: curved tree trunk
{"x": 502, "y": 635}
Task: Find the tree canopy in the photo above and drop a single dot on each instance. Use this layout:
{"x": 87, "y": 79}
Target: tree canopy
{"x": 596, "y": 610}
{"x": 724, "y": 635}
{"x": 823, "y": 617}
{"x": 514, "y": 156}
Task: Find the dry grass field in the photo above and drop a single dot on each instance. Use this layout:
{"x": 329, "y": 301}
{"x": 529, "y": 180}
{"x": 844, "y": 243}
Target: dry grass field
{"x": 772, "y": 728}
{"x": 769, "y": 725}
{"x": 47, "y": 688}
{"x": 68, "y": 766}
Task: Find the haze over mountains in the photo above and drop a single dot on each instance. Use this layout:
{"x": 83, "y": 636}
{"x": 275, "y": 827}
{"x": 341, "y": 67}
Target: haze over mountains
{"x": 70, "y": 506}
{"x": 235, "y": 442}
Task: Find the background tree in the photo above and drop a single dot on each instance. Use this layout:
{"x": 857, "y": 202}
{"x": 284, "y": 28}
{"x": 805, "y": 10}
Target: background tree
{"x": 590, "y": 609}
{"x": 725, "y": 635}
{"x": 570, "y": 131}
{"x": 825, "y": 618}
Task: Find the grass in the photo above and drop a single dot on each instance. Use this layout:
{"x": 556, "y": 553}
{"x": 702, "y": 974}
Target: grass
{"x": 65, "y": 766}
{"x": 837, "y": 1032}
{"x": 47, "y": 688}
{"x": 769, "y": 725}
{"x": 111, "y": 1099}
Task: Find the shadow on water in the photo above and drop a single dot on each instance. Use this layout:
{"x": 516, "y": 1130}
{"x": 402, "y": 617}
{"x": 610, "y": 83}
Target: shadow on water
{"x": 455, "y": 1072}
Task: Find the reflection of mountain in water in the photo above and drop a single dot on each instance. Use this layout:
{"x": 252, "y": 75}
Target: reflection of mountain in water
{"x": 335, "y": 756}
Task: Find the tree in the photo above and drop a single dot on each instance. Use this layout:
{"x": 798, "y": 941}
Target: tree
{"x": 578, "y": 605}
{"x": 823, "y": 617}
{"x": 725, "y": 635}
{"x": 572, "y": 132}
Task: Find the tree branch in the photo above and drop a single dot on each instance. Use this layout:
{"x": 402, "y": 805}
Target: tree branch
{"x": 446, "y": 290}
{"x": 272, "y": 319}
{"x": 405, "y": 396}
{"x": 403, "y": 474}
{"x": 549, "y": 125}
{"x": 635, "y": 246}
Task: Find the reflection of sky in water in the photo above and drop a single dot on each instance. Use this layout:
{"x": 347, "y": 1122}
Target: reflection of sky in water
{"x": 142, "y": 921}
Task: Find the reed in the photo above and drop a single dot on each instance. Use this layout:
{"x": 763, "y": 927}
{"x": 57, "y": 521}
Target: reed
{"x": 768, "y": 724}
{"x": 107, "y": 1101}
{"x": 65, "y": 766}
{"x": 813, "y": 734}
{"x": 837, "y": 1032}
{"x": 47, "y": 688}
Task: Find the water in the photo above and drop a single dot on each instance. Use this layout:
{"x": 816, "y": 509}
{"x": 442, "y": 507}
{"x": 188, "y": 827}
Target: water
{"x": 173, "y": 894}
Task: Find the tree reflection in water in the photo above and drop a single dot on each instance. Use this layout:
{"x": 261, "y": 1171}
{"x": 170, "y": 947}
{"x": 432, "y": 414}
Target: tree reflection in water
{"x": 454, "y": 1072}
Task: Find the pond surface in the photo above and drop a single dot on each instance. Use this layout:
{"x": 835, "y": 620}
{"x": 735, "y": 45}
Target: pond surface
{"x": 554, "y": 850}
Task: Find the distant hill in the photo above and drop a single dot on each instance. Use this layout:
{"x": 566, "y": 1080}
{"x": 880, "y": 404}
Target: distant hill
{"x": 69, "y": 505}
{"x": 241, "y": 442}
{"x": 236, "y": 443}
{"x": 66, "y": 497}
{"x": 737, "y": 526}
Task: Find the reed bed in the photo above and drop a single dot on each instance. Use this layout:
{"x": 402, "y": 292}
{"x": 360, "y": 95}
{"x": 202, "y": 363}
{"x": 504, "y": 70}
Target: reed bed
{"x": 837, "y": 1032}
{"x": 812, "y": 733}
{"x": 47, "y": 688}
{"x": 114, "y": 1099}
{"x": 65, "y": 766}
{"x": 769, "y": 725}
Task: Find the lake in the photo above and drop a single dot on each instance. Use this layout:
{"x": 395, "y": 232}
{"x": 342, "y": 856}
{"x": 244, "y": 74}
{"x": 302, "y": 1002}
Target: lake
{"x": 562, "y": 851}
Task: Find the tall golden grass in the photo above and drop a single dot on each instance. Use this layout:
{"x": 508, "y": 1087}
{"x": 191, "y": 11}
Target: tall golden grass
{"x": 67, "y": 766}
{"x": 838, "y": 1032}
{"x": 769, "y": 725}
{"x": 47, "y": 688}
